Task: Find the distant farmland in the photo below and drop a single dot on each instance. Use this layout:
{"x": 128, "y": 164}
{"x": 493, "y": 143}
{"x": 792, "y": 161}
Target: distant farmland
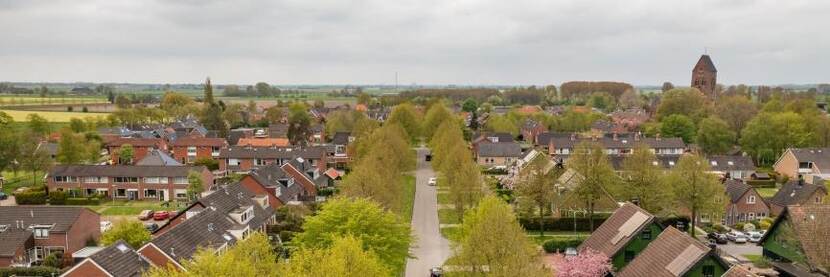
{"x": 13, "y": 100}
{"x": 51, "y": 116}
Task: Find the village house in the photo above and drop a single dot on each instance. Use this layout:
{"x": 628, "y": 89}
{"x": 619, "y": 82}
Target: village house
{"x": 189, "y": 127}
{"x": 806, "y": 162}
{"x": 798, "y": 242}
{"x": 263, "y": 142}
{"x": 158, "y": 158}
{"x": 339, "y": 157}
{"x": 245, "y": 158}
{"x": 292, "y": 182}
{"x": 141, "y": 146}
{"x": 30, "y": 233}
{"x": 118, "y": 259}
{"x": 674, "y": 253}
{"x": 561, "y": 145}
{"x": 129, "y": 182}
{"x": 797, "y": 192}
{"x": 623, "y": 235}
{"x": 187, "y": 150}
{"x": 745, "y": 204}
{"x": 629, "y": 120}
{"x": 236, "y": 201}
{"x": 532, "y": 128}
{"x": 731, "y": 167}
{"x": 497, "y": 153}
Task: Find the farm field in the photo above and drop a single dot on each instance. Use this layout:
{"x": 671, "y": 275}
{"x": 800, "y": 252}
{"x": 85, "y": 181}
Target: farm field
{"x": 51, "y": 116}
{"x": 13, "y": 100}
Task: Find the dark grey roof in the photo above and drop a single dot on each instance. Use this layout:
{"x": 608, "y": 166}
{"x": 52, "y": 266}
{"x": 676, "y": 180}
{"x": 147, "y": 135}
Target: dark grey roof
{"x": 544, "y": 138}
{"x": 120, "y": 259}
{"x": 502, "y": 137}
{"x": 602, "y": 239}
{"x": 622, "y": 142}
{"x": 728, "y": 163}
{"x": 664, "y": 161}
{"x": 13, "y": 239}
{"x": 208, "y": 228}
{"x": 794, "y": 192}
{"x": 735, "y": 189}
{"x": 341, "y": 138}
{"x": 123, "y": 170}
{"x": 62, "y": 217}
{"x": 158, "y": 158}
{"x": 499, "y": 149}
{"x": 236, "y": 134}
{"x": 232, "y": 196}
{"x": 707, "y": 63}
{"x": 243, "y": 152}
{"x": 51, "y": 148}
{"x": 820, "y": 157}
{"x": 279, "y": 130}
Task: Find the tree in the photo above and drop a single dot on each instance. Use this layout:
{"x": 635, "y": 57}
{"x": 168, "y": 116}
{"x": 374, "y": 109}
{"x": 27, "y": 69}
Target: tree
{"x": 501, "y": 124}
{"x": 210, "y": 163}
{"x": 5, "y": 119}
{"x": 34, "y": 158}
{"x": 736, "y": 111}
{"x": 589, "y": 263}
{"x": 469, "y": 105}
{"x": 195, "y": 185}
{"x": 598, "y": 176}
{"x": 630, "y": 100}
{"x": 131, "y": 232}
{"x": 363, "y": 98}
{"x": 695, "y": 189}
{"x": 689, "y": 102}
{"x": 462, "y": 176}
{"x": 667, "y": 86}
{"x": 714, "y": 136}
{"x": 177, "y": 105}
{"x": 38, "y": 125}
{"x": 643, "y": 181}
{"x": 407, "y": 117}
{"x": 70, "y": 148}
{"x": 492, "y": 241}
{"x": 233, "y": 115}
{"x": 345, "y": 257}
{"x": 437, "y": 114}
{"x": 126, "y": 154}
{"x": 253, "y": 256}
{"x": 209, "y": 101}
{"x": 9, "y": 146}
{"x": 274, "y": 114}
{"x": 537, "y": 187}
{"x": 678, "y": 125}
{"x": 77, "y": 125}
{"x": 299, "y": 124}
{"x": 213, "y": 120}
{"x": 123, "y": 102}
{"x": 767, "y": 135}
{"x": 381, "y": 232}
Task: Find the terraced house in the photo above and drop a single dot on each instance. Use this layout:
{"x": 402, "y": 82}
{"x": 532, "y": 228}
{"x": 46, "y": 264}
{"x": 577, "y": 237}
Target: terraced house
{"x": 188, "y": 149}
{"x": 130, "y": 182}
{"x": 30, "y": 233}
{"x": 623, "y": 235}
{"x": 562, "y": 145}
{"x": 246, "y": 158}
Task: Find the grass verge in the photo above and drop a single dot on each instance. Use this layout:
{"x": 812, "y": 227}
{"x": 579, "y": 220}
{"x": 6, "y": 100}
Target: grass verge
{"x": 409, "y": 196}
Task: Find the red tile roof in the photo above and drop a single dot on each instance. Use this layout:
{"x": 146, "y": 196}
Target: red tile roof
{"x": 263, "y": 142}
{"x": 199, "y": 141}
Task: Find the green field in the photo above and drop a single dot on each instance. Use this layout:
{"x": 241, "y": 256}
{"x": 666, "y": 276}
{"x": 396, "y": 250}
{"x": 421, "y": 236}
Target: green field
{"x": 13, "y": 100}
{"x": 51, "y": 116}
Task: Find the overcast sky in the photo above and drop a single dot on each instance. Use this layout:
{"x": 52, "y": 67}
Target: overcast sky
{"x": 512, "y": 42}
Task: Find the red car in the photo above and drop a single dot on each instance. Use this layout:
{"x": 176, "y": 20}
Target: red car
{"x": 161, "y": 215}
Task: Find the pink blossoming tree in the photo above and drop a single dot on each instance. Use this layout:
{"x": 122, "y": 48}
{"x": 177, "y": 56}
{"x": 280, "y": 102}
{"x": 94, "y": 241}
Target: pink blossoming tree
{"x": 589, "y": 263}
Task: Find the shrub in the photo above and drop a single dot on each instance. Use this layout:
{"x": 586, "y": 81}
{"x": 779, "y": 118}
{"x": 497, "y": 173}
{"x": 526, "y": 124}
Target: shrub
{"x": 561, "y": 224}
{"x": 54, "y": 259}
{"x": 31, "y": 197}
{"x": 326, "y": 192}
{"x": 763, "y": 225}
{"x": 560, "y": 244}
{"x": 286, "y": 235}
{"x": 739, "y": 225}
{"x": 57, "y": 198}
{"x": 719, "y": 228}
{"x": 69, "y": 108}
{"x": 29, "y": 271}
{"x": 210, "y": 163}
{"x": 85, "y": 109}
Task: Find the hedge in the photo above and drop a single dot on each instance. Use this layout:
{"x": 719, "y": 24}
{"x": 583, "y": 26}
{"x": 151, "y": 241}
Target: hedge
{"x": 560, "y": 244}
{"x": 31, "y": 197}
{"x": 761, "y": 183}
{"x": 561, "y": 224}
{"x": 57, "y": 197}
{"x": 29, "y": 271}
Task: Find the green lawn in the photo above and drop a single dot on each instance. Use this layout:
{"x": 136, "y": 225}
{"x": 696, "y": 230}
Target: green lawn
{"x": 767, "y": 192}
{"x": 448, "y": 216}
{"x": 443, "y": 198}
{"x": 22, "y": 179}
{"x": 451, "y": 233}
{"x": 120, "y": 207}
{"x": 409, "y": 196}
{"x": 539, "y": 240}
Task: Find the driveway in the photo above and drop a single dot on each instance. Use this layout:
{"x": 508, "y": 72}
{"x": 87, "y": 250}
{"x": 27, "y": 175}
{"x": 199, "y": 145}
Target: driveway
{"x": 9, "y": 201}
{"x": 738, "y": 250}
{"x": 430, "y": 249}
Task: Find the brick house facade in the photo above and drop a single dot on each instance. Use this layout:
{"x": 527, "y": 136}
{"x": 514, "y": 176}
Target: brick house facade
{"x": 745, "y": 204}
{"x": 141, "y": 146}
{"x": 187, "y": 150}
{"x": 246, "y": 158}
{"x": 131, "y": 182}
{"x": 30, "y": 233}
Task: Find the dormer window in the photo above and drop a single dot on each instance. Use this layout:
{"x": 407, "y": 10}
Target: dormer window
{"x": 750, "y": 199}
{"x": 41, "y": 231}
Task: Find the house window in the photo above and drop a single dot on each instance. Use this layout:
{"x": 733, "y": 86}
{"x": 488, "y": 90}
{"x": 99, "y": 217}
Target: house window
{"x": 95, "y": 180}
{"x": 181, "y": 193}
{"x": 259, "y": 161}
{"x": 708, "y": 271}
{"x": 42, "y": 232}
{"x": 150, "y": 193}
{"x": 751, "y": 216}
{"x": 191, "y": 150}
{"x": 126, "y": 179}
{"x": 152, "y": 180}
{"x": 214, "y": 151}
{"x": 66, "y": 179}
{"x": 233, "y": 161}
{"x": 39, "y": 253}
{"x": 750, "y": 199}
{"x": 629, "y": 255}
{"x": 646, "y": 235}
{"x": 121, "y": 193}
{"x": 180, "y": 180}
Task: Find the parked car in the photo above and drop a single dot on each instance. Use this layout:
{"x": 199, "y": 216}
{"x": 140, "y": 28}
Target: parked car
{"x": 571, "y": 252}
{"x": 161, "y": 215}
{"x": 432, "y": 181}
{"x": 105, "y": 225}
{"x": 3, "y": 196}
{"x": 754, "y": 236}
{"x": 717, "y": 238}
{"x": 152, "y": 227}
{"x": 436, "y": 272}
{"x": 145, "y": 215}
{"x": 732, "y": 235}
{"x": 741, "y": 239}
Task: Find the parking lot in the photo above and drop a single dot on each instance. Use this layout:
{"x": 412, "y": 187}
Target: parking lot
{"x": 740, "y": 250}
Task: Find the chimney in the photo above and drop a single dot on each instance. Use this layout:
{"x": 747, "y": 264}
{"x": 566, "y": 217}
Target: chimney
{"x": 172, "y": 251}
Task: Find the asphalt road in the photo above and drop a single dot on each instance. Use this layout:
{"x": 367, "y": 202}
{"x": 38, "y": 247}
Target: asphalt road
{"x": 430, "y": 249}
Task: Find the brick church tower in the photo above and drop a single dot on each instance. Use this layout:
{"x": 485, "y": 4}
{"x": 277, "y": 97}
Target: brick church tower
{"x": 705, "y": 76}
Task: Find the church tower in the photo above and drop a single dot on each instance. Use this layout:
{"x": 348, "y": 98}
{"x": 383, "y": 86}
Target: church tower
{"x": 705, "y": 76}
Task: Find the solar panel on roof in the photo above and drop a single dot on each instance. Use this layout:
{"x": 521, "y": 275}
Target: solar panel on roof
{"x": 686, "y": 259}
{"x": 636, "y": 220}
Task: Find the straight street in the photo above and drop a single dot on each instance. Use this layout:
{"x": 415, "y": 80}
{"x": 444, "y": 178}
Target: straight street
{"x": 430, "y": 249}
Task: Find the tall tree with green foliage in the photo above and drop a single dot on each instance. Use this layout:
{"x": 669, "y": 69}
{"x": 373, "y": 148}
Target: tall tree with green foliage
{"x": 736, "y": 111}
{"x": 492, "y": 243}
{"x": 696, "y": 190}
{"x": 209, "y": 100}
{"x": 407, "y": 117}
{"x": 688, "y": 102}
{"x": 253, "y": 256}
{"x": 70, "y": 148}
{"x": 195, "y": 185}
{"x": 437, "y": 114}
{"x": 299, "y": 124}
{"x": 598, "y": 177}
{"x": 126, "y": 154}
{"x": 345, "y": 257}
{"x": 34, "y": 158}
{"x": 38, "y": 125}
{"x": 643, "y": 180}
{"x": 131, "y": 232}
{"x": 767, "y": 135}
{"x": 678, "y": 125}
{"x": 382, "y": 232}
{"x": 177, "y": 105}
{"x": 714, "y": 136}
{"x": 537, "y": 187}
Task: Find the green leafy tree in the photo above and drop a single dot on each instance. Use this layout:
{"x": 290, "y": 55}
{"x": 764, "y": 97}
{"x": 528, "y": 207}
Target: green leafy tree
{"x": 678, "y": 125}
{"x": 537, "y": 187}
{"x": 598, "y": 177}
{"x": 70, "y": 148}
{"x": 10, "y": 141}
{"x": 274, "y": 114}
{"x": 126, "y": 154}
{"x": 492, "y": 243}
{"x": 437, "y": 114}
{"x": 501, "y": 124}
{"x": 714, "y": 136}
{"x": 345, "y": 257}
{"x": 77, "y": 125}
{"x": 736, "y": 111}
{"x": 407, "y": 117}
{"x": 38, "y": 125}
{"x": 381, "y": 232}
{"x": 643, "y": 181}
{"x": 195, "y": 185}
{"x": 696, "y": 191}
{"x": 177, "y": 105}
{"x": 54, "y": 259}
{"x": 688, "y": 102}
{"x": 470, "y": 105}
{"x": 209, "y": 100}
{"x": 767, "y": 135}
{"x": 253, "y": 256}
{"x": 5, "y": 119}
{"x": 363, "y": 98}
{"x": 131, "y": 232}
{"x": 299, "y": 124}
{"x": 667, "y": 86}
